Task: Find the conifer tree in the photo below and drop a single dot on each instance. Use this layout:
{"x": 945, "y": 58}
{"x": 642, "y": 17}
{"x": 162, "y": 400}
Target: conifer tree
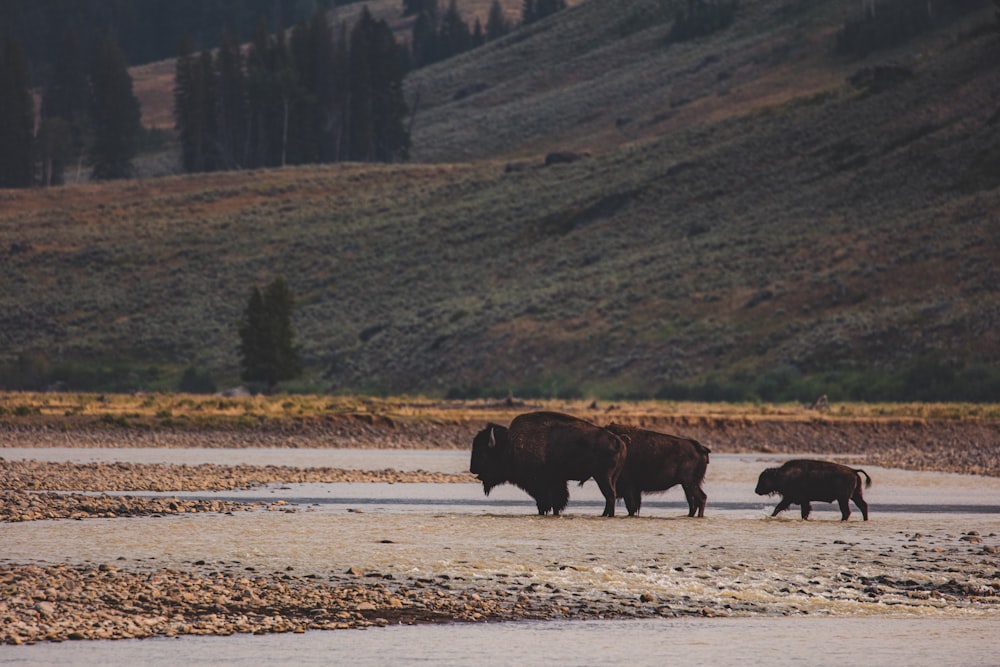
{"x": 377, "y": 109}
{"x": 258, "y": 98}
{"x": 115, "y": 113}
{"x": 496, "y": 22}
{"x": 65, "y": 112}
{"x": 268, "y": 352}
{"x": 17, "y": 116}
{"x": 195, "y": 109}
{"x": 453, "y": 35}
{"x": 423, "y": 40}
{"x": 232, "y": 103}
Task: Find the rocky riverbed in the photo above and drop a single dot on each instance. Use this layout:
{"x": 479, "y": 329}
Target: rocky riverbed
{"x": 122, "y": 599}
{"x": 117, "y": 601}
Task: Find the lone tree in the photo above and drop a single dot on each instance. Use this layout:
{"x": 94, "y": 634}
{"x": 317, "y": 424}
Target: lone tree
{"x": 268, "y": 352}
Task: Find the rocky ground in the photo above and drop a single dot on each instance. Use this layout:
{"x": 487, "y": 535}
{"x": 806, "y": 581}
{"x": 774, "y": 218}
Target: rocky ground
{"x": 72, "y": 602}
{"x": 64, "y": 601}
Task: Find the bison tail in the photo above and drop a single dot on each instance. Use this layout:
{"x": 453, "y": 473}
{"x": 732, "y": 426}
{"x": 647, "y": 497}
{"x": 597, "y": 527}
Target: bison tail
{"x": 868, "y": 480}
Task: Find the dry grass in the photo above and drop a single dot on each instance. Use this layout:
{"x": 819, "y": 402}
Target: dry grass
{"x": 213, "y": 411}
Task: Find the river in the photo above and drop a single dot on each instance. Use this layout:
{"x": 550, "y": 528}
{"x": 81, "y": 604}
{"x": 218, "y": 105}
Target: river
{"x": 777, "y": 591}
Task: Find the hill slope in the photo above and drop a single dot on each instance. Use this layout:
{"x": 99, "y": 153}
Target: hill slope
{"x": 764, "y": 217}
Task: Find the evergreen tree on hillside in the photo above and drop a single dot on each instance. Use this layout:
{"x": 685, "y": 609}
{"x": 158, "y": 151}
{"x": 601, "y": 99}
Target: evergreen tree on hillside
{"x": 497, "y": 24}
{"x": 536, "y": 10}
{"x": 268, "y": 352}
{"x": 65, "y": 112}
{"x": 271, "y": 87}
{"x": 423, "y": 39}
{"x": 17, "y": 116}
{"x": 453, "y": 35}
{"x": 232, "y": 104}
{"x": 313, "y": 55}
{"x": 339, "y": 117}
{"x": 377, "y": 107}
{"x": 195, "y": 116}
{"x": 115, "y": 113}
{"x": 478, "y": 35}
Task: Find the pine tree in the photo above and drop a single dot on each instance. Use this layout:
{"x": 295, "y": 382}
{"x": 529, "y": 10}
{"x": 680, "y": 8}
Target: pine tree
{"x": 258, "y": 98}
{"x": 272, "y": 90}
{"x": 65, "y": 113}
{"x": 496, "y": 22}
{"x": 423, "y": 40}
{"x": 189, "y": 107}
{"x": 17, "y": 117}
{"x": 361, "y": 138}
{"x": 312, "y": 58}
{"x": 115, "y": 113}
{"x": 377, "y": 109}
{"x": 478, "y": 35}
{"x": 232, "y": 104}
{"x": 453, "y": 35}
{"x": 268, "y": 352}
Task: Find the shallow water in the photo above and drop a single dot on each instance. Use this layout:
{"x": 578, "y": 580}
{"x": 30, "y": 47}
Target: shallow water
{"x": 705, "y": 642}
{"x": 736, "y": 560}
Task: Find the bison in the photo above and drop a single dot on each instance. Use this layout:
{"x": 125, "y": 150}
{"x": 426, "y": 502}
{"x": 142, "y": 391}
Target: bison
{"x": 801, "y": 481}
{"x": 541, "y": 451}
{"x": 656, "y": 462}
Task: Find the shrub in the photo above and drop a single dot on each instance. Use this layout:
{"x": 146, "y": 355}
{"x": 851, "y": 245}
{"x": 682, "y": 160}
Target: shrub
{"x": 196, "y": 381}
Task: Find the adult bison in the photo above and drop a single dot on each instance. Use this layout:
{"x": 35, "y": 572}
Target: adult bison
{"x": 801, "y": 481}
{"x": 541, "y": 451}
{"x": 656, "y": 462}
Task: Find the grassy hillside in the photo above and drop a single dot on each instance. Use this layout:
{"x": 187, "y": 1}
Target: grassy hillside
{"x": 747, "y": 219}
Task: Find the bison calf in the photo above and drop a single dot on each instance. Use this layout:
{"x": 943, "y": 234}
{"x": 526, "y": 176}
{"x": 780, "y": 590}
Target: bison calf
{"x": 656, "y": 462}
{"x": 541, "y": 451}
{"x": 801, "y": 481}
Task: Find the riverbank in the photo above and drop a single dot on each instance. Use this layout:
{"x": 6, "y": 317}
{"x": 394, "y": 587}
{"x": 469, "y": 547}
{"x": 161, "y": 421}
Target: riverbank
{"x": 964, "y": 446}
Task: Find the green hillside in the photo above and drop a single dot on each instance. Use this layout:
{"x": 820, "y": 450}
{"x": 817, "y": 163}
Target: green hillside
{"x": 748, "y": 221}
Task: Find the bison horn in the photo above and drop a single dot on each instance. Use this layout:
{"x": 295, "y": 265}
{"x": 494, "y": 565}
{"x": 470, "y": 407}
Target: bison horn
{"x": 493, "y": 439}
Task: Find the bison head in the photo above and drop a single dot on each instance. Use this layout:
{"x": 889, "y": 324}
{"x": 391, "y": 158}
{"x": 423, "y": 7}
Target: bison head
{"x": 768, "y": 482}
{"x": 489, "y": 449}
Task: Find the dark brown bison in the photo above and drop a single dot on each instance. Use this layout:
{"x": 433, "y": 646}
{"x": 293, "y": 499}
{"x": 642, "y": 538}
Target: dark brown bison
{"x": 541, "y": 451}
{"x": 801, "y": 481}
{"x": 656, "y": 462}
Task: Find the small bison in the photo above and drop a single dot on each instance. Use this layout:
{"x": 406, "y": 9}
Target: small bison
{"x": 541, "y": 451}
{"x": 801, "y": 481}
{"x": 656, "y": 462}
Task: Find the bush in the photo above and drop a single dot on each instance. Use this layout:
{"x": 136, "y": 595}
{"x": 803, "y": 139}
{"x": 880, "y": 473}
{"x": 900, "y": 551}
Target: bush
{"x": 195, "y": 381}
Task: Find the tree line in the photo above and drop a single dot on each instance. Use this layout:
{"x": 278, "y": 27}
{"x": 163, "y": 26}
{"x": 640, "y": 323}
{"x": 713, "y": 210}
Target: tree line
{"x": 301, "y": 96}
{"x": 293, "y": 98}
{"x": 313, "y": 96}
{"x": 146, "y": 30}
{"x": 437, "y": 35}
{"x": 89, "y": 114}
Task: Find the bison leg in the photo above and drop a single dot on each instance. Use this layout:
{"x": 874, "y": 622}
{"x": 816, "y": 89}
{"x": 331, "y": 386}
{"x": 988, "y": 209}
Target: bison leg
{"x": 633, "y": 501}
{"x": 845, "y": 508}
{"x": 696, "y": 500}
{"x": 859, "y": 501}
{"x": 543, "y": 500}
{"x": 806, "y": 509}
{"x": 560, "y": 497}
{"x": 782, "y": 506}
{"x": 607, "y": 486}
